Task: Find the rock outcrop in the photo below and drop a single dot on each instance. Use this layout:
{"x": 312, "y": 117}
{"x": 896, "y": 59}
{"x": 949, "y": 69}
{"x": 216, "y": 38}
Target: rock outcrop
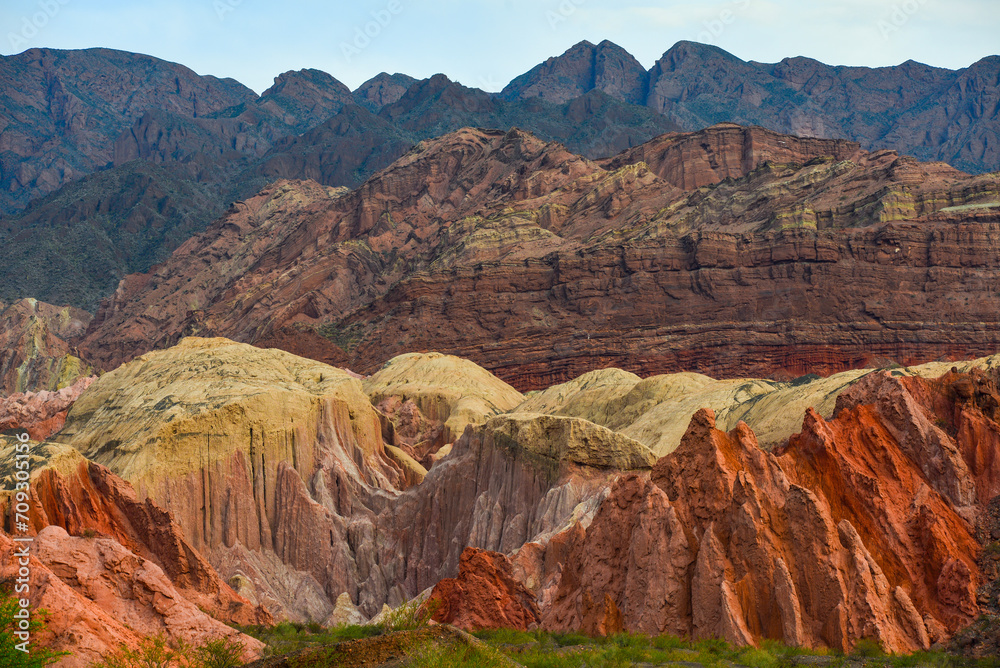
{"x": 856, "y": 528}
{"x": 40, "y": 414}
{"x": 485, "y": 595}
{"x": 86, "y": 499}
{"x": 238, "y": 442}
{"x": 655, "y": 411}
{"x": 431, "y": 398}
{"x": 35, "y": 354}
{"x": 103, "y": 597}
{"x": 278, "y": 469}
{"x": 512, "y": 481}
{"x": 275, "y": 468}
{"x": 747, "y": 232}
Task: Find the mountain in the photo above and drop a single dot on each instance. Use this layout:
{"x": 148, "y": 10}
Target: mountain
{"x": 224, "y": 462}
{"x": 63, "y": 110}
{"x": 382, "y": 89}
{"x": 792, "y": 255}
{"x": 606, "y": 67}
{"x": 226, "y": 142}
{"x": 171, "y": 166}
{"x": 927, "y": 112}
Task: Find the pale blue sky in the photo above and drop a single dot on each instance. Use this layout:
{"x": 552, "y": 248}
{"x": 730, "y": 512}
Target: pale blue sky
{"x": 485, "y": 43}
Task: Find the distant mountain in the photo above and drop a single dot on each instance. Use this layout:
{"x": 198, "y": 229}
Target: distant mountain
{"x": 606, "y": 67}
{"x": 928, "y": 112}
{"x": 61, "y": 111}
{"x": 68, "y": 114}
{"x": 171, "y": 171}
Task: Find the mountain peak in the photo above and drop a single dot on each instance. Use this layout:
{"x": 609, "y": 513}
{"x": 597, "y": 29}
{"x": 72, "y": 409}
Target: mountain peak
{"x": 306, "y": 78}
{"x": 382, "y": 89}
{"x": 584, "y": 67}
{"x": 685, "y": 50}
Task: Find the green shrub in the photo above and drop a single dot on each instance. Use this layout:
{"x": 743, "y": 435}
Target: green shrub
{"x": 220, "y": 653}
{"x": 10, "y": 655}
{"x": 152, "y": 652}
{"x": 868, "y": 648}
{"x": 408, "y": 617}
{"x": 506, "y": 636}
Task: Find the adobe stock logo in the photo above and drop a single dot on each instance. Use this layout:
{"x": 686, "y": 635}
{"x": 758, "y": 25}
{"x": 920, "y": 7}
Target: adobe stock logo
{"x": 31, "y": 25}
{"x": 726, "y": 17}
{"x": 363, "y": 35}
{"x": 899, "y": 16}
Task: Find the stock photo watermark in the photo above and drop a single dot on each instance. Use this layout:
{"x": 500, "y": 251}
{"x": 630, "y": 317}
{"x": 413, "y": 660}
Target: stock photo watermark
{"x": 563, "y": 12}
{"x": 225, "y": 7}
{"x": 899, "y": 16}
{"x": 726, "y": 17}
{"x": 363, "y": 35}
{"x": 32, "y": 24}
{"x": 21, "y": 494}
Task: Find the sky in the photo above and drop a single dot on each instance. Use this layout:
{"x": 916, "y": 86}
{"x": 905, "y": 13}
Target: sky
{"x": 486, "y": 43}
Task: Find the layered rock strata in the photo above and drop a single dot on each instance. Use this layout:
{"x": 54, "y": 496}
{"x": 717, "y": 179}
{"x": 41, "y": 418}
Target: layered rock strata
{"x": 731, "y": 251}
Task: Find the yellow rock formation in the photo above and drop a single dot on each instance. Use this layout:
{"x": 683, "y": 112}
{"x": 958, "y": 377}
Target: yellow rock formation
{"x": 580, "y": 441}
{"x": 202, "y": 428}
{"x": 450, "y": 389}
{"x": 656, "y": 411}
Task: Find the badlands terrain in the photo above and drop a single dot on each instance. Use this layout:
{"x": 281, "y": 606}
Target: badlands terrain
{"x": 215, "y": 482}
{"x": 703, "y": 364}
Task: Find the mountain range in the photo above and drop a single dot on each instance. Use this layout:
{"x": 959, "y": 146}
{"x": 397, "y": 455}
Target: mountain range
{"x": 684, "y": 351}
{"x": 109, "y": 160}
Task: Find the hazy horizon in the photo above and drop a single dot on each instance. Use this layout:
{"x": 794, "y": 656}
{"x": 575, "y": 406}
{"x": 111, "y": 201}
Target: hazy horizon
{"x": 471, "y": 42}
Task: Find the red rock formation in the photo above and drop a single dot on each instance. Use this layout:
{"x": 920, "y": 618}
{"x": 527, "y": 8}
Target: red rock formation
{"x": 526, "y": 245}
{"x": 102, "y": 597}
{"x": 95, "y": 501}
{"x": 485, "y": 595}
{"x": 43, "y": 413}
{"x": 838, "y": 537}
{"x": 728, "y": 151}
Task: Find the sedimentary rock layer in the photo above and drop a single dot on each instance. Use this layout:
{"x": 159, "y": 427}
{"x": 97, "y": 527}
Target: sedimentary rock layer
{"x": 732, "y": 251}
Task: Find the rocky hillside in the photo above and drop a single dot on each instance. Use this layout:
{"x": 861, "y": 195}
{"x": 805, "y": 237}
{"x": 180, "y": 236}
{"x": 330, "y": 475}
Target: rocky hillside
{"x": 171, "y": 149}
{"x": 732, "y": 251}
{"x": 927, "y": 112}
{"x": 297, "y": 490}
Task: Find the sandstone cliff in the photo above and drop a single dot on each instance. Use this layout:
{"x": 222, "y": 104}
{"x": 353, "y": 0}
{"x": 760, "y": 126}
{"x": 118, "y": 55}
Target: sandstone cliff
{"x": 278, "y": 469}
{"x": 748, "y": 234}
{"x": 104, "y": 597}
{"x": 110, "y": 569}
{"x": 235, "y": 441}
{"x": 853, "y": 529}
{"x": 431, "y": 398}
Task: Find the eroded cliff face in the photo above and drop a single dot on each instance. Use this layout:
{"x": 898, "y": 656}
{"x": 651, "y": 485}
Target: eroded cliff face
{"x": 86, "y": 499}
{"x": 732, "y": 251}
{"x": 858, "y": 527}
{"x": 43, "y": 413}
{"x": 861, "y": 525}
{"x": 431, "y": 398}
{"x": 112, "y": 570}
{"x": 229, "y": 438}
{"x": 104, "y": 597}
